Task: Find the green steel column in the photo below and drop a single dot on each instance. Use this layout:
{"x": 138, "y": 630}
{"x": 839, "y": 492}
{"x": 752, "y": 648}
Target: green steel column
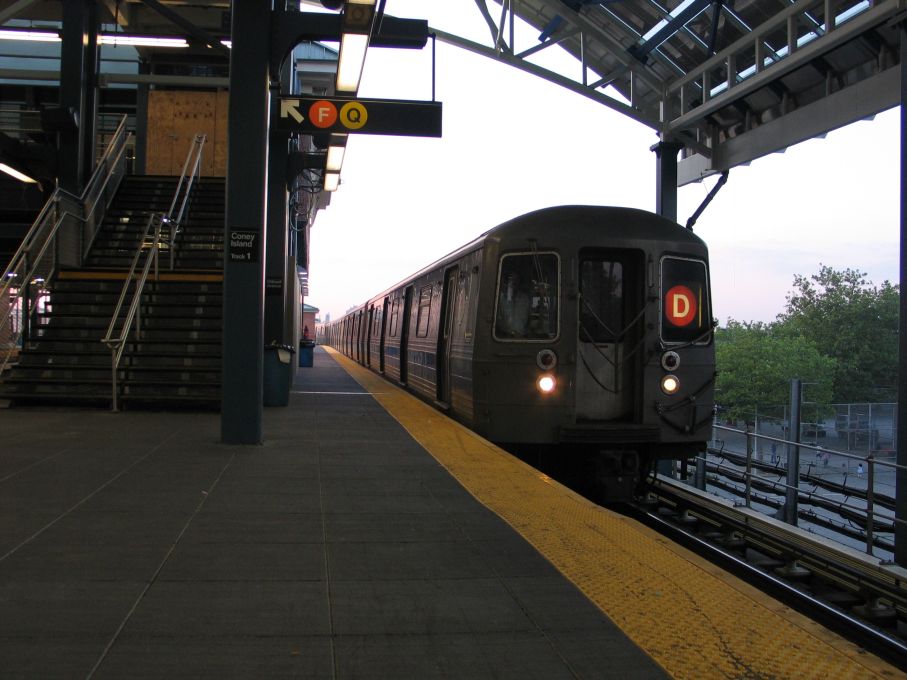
{"x": 241, "y": 407}
{"x": 900, "y": 531}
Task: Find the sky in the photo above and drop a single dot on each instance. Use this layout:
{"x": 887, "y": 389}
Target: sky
{"x": 513, "y": 143}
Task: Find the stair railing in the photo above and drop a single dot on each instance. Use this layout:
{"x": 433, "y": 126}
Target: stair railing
{"x": 191, "y": 172}
{"x": 151, "y": 249}
{"x": 48, "y": 245}
{"x": 117, "y": 343}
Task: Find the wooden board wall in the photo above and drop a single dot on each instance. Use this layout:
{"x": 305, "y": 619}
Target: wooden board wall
{"x": 174, "y": 118}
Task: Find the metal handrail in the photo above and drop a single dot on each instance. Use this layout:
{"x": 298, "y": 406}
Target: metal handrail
{"x": 198, "y": 143}
{"x": 870, "y": 460}
{"x": 118, "y": 344}
{"x": 35, "y": 261}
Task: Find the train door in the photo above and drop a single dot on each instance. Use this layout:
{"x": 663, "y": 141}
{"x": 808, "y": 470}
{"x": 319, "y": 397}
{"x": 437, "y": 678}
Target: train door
{"x": 383, "y": 335}
{"x": 611, "y": 318}
{"x": 361, "y": 337}
{"x": 368, "y": 335}
{"x": 404, "y": 333}
{"x": 357, "y": 337}
{"x": 445, "y": 334}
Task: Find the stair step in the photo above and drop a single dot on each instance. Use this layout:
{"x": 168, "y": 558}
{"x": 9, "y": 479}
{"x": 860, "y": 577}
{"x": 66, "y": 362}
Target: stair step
{"x": 178, "y": 359}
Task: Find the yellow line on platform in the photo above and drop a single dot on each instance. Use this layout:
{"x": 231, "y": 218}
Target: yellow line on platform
{"x": 696, "y": 620}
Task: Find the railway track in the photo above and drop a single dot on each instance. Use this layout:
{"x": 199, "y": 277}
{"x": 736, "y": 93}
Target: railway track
{"x": 860, "y": 597}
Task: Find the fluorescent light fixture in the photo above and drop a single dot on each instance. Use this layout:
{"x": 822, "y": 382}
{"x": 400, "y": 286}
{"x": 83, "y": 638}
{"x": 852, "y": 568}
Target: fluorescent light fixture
{"x": 664, "y": 22}
{"x": 18, "y": 175}
{"x": 141, "y": 41}
{"x": 360, "y": 2}
{"x": 352, "y": 59}
{"x": 331, "y": 181}
{"x": 227, "y": 43}
{"x": 335, "y": 158}
{"x": 34, "y": 36}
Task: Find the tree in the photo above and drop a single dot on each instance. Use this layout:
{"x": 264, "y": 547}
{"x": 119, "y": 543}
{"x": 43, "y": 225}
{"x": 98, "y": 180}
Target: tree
{"x": 852, "y": 321}
{"x": 756, "y": 363}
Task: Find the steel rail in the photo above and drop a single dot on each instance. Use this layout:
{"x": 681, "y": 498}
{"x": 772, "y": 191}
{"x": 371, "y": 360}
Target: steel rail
{"x": 27, "y": 265}
{"x": 844, "y": 568}
{"x": 117, "y": 344}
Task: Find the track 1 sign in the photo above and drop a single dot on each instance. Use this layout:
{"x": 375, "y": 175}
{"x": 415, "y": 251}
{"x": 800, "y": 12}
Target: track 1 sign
{"x": 312, "y": 115}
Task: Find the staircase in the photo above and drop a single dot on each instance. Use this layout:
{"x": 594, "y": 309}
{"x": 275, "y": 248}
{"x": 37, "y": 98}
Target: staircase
{"x": 176, "y": 360}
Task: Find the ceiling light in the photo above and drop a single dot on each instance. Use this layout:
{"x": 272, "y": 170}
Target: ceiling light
{"x": 352, "y": 59}
{"x": 335, "y": 158}
{"x": 336, "y": 151}
{"x": 142, "y": 41}
{"x": 35, "y": 36}
{"x": 18, "y": 175}
{"x": 331, "y": 181}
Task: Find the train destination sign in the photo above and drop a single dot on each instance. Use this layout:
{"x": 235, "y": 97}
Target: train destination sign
{"x": 680, "y": 306}
{"x": 312, "y": 115}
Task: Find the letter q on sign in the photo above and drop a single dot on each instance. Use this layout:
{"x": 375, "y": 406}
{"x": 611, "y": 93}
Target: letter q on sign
{"x": 680, "y": 306}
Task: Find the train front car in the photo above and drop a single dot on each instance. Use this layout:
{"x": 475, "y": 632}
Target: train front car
{"x": 598, "y": 343}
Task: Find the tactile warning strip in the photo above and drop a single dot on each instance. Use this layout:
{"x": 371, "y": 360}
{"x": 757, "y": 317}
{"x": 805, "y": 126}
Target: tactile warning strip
{"x": 694, "y": 619}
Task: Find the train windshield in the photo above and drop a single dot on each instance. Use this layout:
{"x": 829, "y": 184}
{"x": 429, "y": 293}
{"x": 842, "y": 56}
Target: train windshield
{"x": 527, "y": 297}
{"x": 686, "y": 314}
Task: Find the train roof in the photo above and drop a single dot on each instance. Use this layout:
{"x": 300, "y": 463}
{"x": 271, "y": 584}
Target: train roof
{"x": 618, "y": 223}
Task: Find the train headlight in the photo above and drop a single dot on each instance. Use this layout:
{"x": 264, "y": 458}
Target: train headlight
{"x": 670, "y": 361}
{"x": 546, "y": 359}
{"x": 546, "y": 384}
{"x": 670, "y": 384}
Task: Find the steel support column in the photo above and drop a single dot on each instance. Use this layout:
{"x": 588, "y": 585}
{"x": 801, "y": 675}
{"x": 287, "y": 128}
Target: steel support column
{"x": 247, "y": 168}
{"x": 792, "y": 492}
{"x": 666, "y": 178}
{"x": 78, "y": 78}
{"x": 900, "y": 532}
{"x": 666, "y": 206}
{"x": 276, "y": 287}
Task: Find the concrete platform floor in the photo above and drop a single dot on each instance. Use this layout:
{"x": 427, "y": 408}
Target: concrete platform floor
{"x": 135, "y": 545}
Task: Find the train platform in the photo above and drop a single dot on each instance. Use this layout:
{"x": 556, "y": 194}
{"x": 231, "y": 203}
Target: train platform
{"x": 368, "y": 537}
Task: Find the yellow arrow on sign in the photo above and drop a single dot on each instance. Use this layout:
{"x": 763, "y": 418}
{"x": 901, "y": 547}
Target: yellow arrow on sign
{"x": 290, "y": 107}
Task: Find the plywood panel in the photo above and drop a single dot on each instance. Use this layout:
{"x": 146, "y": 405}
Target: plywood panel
{"x": 219, "y": 154}
{"x": 174, "y": 118}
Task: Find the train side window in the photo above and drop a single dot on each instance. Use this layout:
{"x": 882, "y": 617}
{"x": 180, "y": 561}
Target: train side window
{"x": 424, "y": 312}
{"x": 395, "y": 313}
{"x": 376, "y": 321}
{"x": 686, "y": 314}
{"x": 527, "y": 295}
{"x": 602, "y": 294}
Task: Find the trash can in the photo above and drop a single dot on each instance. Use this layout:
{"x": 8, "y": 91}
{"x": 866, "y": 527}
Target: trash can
{"x": 306, "y": 353}
{"x": 278, "y": 376}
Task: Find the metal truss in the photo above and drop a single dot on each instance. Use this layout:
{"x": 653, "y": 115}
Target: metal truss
{"x": 721, "y": 79}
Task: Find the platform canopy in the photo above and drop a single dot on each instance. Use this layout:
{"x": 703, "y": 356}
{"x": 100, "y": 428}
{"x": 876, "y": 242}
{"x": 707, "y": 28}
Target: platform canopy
{"x": 730, "y": 80}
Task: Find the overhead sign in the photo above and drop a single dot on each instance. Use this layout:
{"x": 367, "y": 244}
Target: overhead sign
{"x": 680, "y": 306}
{"x": 312, "y": 115}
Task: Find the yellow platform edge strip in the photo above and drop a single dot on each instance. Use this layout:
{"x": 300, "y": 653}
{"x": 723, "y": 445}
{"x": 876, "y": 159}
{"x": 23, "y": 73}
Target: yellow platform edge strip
{"x": 693, "y": 618}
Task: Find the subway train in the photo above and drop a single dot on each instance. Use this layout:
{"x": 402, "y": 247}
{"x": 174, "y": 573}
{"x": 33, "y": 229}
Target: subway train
{"x": 579, "y": 333}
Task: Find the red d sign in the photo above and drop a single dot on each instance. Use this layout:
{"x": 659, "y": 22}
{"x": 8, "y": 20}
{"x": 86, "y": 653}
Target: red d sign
{"x": 680, "y": 306}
